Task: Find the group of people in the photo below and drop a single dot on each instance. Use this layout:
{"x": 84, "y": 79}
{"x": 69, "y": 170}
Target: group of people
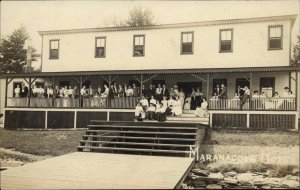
{"x": 155, "y": 109}
{"x": 243, "y": 95}
{"x": 157, "y": 103}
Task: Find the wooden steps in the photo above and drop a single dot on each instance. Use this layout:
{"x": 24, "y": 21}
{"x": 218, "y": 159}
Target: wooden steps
{"x": 168, "y": 139}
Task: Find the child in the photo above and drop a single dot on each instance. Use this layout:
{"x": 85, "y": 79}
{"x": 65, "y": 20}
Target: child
{"x": 139, "y": 112}
{"x": 151, "y": 112}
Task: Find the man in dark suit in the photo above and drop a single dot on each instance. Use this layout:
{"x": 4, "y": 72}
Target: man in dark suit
{"x": 223, "y": 93}
{"x": 165, "y": 91}
{"x": 23, "y": 91}
{"x": 136, "y": 90}
{"x": 217, "y": 89}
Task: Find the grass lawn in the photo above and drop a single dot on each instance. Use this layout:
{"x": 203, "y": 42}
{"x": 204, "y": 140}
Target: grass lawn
{"x": 252, "y": 150}
{"x": 39, "y": 142}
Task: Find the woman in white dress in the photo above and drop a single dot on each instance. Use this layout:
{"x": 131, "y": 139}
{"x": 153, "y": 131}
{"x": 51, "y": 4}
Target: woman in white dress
{"x": 177, "y": 107}
{"x": 17, "y": 95}
{"x": 201, "y": 111}
{"x": 181, "y": 97}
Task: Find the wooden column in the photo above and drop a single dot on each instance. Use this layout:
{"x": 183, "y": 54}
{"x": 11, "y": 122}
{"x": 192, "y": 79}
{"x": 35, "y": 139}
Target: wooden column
{"x": 6, "y": 84}
{"x": 80, "y": 97}
{"x": 250, "y": 87}
{"x": 109, "y": 81}
{"x": 297, "y": 88}
{"x": 53, "y": 84}
{"x": 141, "y": 82}
{"x": 29, "y": 94}
{"x": 207, "y": 86}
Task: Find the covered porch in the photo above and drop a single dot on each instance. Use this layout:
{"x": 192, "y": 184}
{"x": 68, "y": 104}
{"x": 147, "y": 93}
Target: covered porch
{"x": 266, "y": 80}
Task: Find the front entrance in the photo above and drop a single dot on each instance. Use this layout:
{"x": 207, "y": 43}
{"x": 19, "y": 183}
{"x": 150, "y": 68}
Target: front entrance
{"x": 188, "y": 86}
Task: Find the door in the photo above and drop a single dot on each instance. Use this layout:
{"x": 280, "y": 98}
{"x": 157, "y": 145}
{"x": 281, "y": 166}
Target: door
{"x": 188, "y": 86}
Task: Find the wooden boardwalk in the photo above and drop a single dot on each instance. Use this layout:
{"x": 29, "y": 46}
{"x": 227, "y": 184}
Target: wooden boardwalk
{"x": 83, "y": 170}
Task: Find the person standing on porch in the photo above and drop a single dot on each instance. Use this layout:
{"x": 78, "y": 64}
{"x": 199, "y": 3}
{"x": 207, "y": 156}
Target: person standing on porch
{"x": 129, "y": 92}
{"x": 193, "y": 99}
{"x": 217, "y": 89}
{"x": 223, "y": 93}
{"x": 17, "y": 91}
{"x": 245, "y": 97}
{"x": 125, "y": 89}
{"x": 165, "y": 91}
{"x": 24, "y": 91}
{"x": 120, "y": 91}
{"x": 135, "y": 90}
{"x": 158, "y": 93}
{"x": 181, "y": 97}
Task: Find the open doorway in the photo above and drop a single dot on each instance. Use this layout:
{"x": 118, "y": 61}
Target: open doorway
{"x": 188, "y": 86}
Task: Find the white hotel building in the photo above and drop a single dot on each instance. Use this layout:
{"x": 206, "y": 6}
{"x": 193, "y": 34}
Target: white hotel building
{"x": 253, "y": 52}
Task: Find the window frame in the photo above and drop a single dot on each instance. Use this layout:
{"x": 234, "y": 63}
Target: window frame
{"x": 269, "y": 37}
{"x": 220, "y": 40}
{"x": 181, "y": 43}
{"x": 96, "y": 38}
{"x": 50, "y": 55}
{"x": 144, "y": 40}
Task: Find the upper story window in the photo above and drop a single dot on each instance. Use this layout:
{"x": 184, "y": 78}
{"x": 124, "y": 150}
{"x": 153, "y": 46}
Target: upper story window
{"x": 54, "y": 49}
{"x": 187, "y": 40}
{"x": 139, "y": 45}
{"x": 275, "y": 37}
{"x": 226, "y": 37}
{"x": 100, "y": 46}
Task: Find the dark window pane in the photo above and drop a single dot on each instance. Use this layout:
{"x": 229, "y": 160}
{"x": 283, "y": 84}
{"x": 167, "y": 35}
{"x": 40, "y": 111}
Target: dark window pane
{"x": 187, "y": 48}
{"x": 54, "y": 53}
{"x": 226, "y": 46}
{"x": 138, "y": 50}
{"x": 275, "y": 43}
{"x": 100, "y": 52}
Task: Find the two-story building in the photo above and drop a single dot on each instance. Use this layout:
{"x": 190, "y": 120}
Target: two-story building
{"x": 252, "y": 52}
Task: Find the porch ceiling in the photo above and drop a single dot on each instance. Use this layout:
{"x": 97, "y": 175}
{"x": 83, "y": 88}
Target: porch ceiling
{"x": 161, "y": 71}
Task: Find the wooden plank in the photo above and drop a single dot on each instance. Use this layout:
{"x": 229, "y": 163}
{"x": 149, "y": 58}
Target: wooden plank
{"x": 135, "y": 149}
{"x": 138, "y": 143}
{"x": 98, "y": 171}
{"x": 142, "y": 132}
{"x": 139, "y": 127}
{"x": 145, "y": 138}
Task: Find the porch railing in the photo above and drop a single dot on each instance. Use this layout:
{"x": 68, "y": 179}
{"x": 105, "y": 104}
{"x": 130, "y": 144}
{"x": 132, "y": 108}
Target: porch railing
{"x": 253, "y": 104}
{"x": 121, "y": 102}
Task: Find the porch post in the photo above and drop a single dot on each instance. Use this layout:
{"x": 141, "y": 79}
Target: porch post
{"x": 250, "y": 87}
{"x": 29, "y": 94}
{"x": 141, "y": 89}
{"x": 53, "y": 84}
{"x": 109, "y": 81}
{"x": 6, "y": 83}
{"x": 290, "y": 81}
{"x": 297, "y": 87}
{"x": 207, "y": 86}
{"x": 80, "y": 87}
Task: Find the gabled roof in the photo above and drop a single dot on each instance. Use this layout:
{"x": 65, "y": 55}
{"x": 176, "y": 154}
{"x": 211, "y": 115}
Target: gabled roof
{"x": 292, "y": 18}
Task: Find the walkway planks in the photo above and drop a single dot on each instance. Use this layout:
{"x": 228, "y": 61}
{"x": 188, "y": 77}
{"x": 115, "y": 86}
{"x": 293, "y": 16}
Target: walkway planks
{"x": 83, "y": 170}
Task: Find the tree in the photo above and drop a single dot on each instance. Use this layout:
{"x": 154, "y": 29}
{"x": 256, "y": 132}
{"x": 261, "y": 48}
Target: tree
{"x": 12, "y": 55}
{"x": 138, "y": 16}
{"x": 296, "y": 53}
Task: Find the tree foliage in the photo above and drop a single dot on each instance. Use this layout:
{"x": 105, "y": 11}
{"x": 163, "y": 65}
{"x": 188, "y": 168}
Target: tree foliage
{"x": 12, "y": 55}
{"x": 296, "y": 53}
{"x": 138, "y": 16}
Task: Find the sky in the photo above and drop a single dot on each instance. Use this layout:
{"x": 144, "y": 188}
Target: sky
{"x": 55, "y": 15}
